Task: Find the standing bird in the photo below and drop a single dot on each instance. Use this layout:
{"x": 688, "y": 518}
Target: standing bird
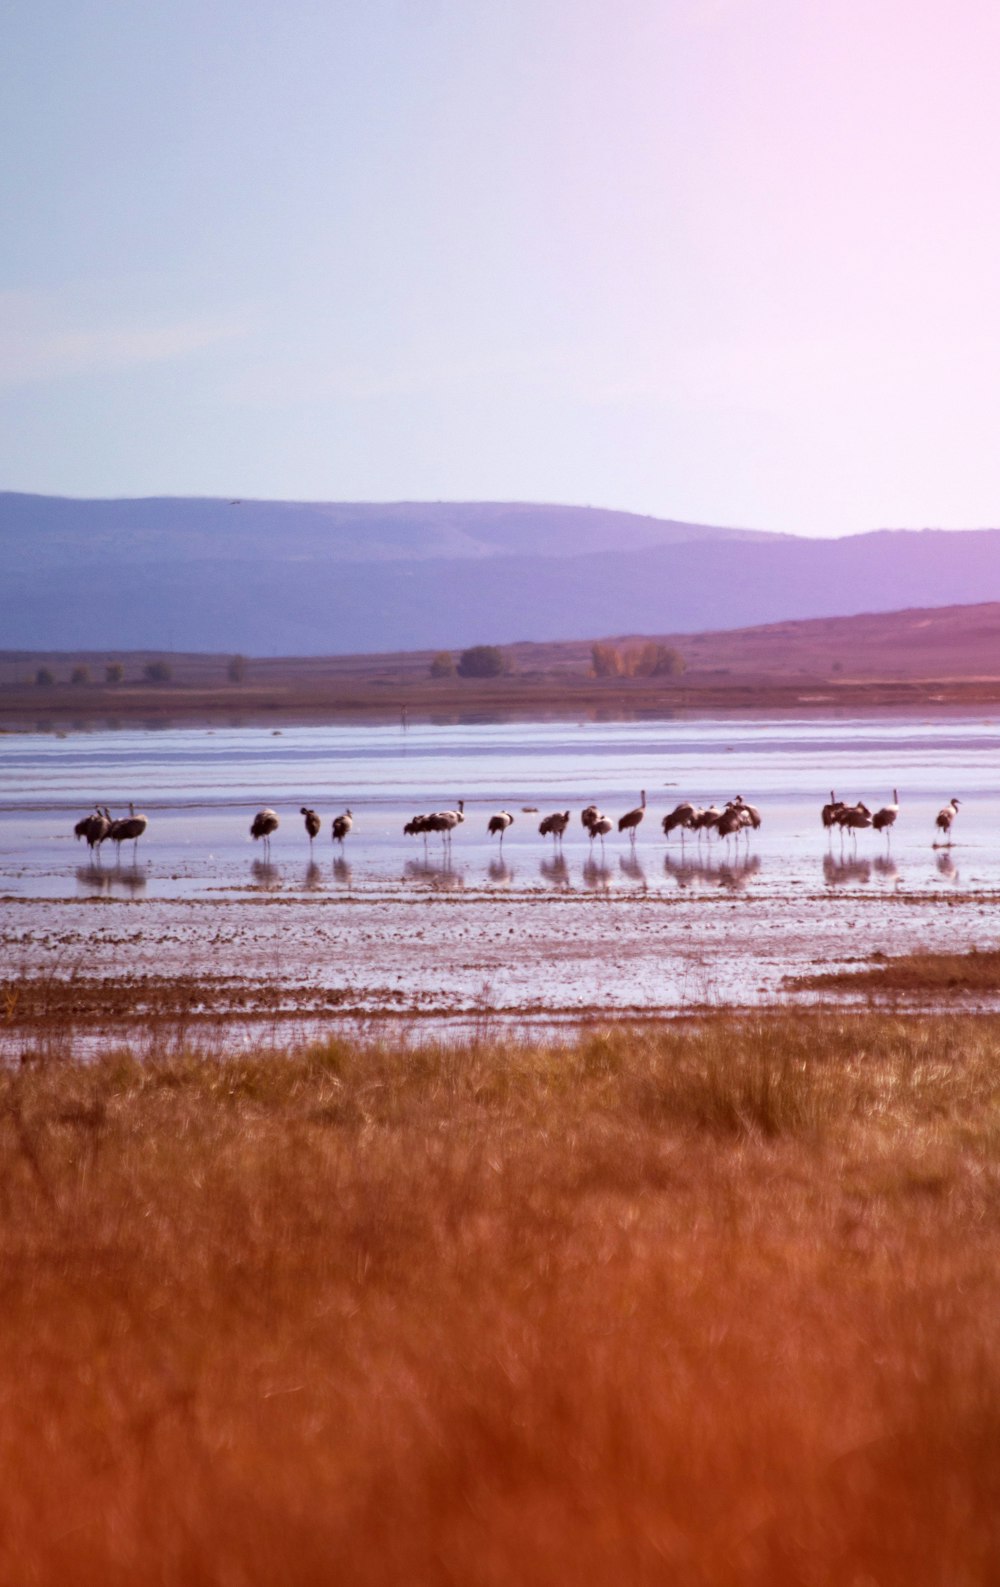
{"x": 885, "y": 818}
{"x": 554, "y": 825}
{"x": 830, "y": 812}
{"x": 94, "y": 828}
{"x": 600, "y": 828}
{"x": 630, "y": 821}
{"x": 129, "y": 829}
{"x": 500, "y": 823}
{"x": 589, "y": 816}
{"x": 313, "y": 822}
{"x": 682, "y": 815}
{"x": 946, "y": 816}
{"x": 341, "y": 826}
{"x": 263, "y": 824}
{"x": 445, "y": 821}
{"x": 854, "y": 818}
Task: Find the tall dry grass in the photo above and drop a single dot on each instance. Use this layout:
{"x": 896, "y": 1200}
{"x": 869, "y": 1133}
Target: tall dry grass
{"x": 705, "y": 1306}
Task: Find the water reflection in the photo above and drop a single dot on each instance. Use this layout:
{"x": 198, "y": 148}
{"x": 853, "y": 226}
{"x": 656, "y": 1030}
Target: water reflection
{"x": 555, "y": 871}
{"x": 94, "y": 878}
{"x": 499, "y": 871}
{"x": 443, "y": 878}
{"x": 730, "y": 874}
{"x": 313, "y": 880}
{"x": 947, "y": 867}
{"x": 597, "y": 876}
{"x": 342, "y": 872}
{"x": 841, "y": 873}
{"x": 631, "y": 867}
{"x": 265, "y": 875}
{"x": 886, "y": 866}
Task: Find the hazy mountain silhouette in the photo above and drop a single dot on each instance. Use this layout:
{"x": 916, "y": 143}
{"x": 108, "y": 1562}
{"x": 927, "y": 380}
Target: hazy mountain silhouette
{"x": 299, "y": 578}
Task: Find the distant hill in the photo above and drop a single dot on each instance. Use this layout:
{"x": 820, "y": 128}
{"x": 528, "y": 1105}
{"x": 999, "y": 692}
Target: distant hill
{"x": 299, "y": 578}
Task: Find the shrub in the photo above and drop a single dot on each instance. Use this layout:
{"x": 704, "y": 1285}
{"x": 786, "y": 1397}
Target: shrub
{"x": 605, "y": 661}
{"x": 237, "y": 669}
{"x": 482, "y": 661}
{"x": 157, "y": 672}
{"x": 80, "y": 675}
{"x": 114, "y": 672}
{"x": 443, "y": 665}
{"x": 44, "y": 678}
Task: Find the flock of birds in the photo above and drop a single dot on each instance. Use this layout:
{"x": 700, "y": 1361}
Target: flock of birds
{"x": 736, "y": 816}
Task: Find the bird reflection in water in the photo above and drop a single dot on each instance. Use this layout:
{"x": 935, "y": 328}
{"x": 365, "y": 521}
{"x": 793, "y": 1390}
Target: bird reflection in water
{"x": 842, "y": 873}
{"x": 500, "y": 872}
{"x": 597, "y": 877}
{"x": 265, "y": 875}
{"x": 947, "y": 868}
{"x": 342, "y": 872}
{"x": 884, "y": 865}
{"x": 443, "y": 878}
{"x": 631, "y": 867}
{"x": 95, "y": 879}
{"x": 313, "y": 880}
{"x": 555, "y": 871}
{"x": 731, "y": 875}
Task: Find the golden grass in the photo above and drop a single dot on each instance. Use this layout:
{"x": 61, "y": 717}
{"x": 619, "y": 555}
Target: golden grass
{"x": 704, "y": 1306}
{"x": 977, "y": 970}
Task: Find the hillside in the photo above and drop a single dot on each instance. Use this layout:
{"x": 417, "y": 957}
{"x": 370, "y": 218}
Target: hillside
{"x": 915, "y": 658}
{"x": 307, "y": 579}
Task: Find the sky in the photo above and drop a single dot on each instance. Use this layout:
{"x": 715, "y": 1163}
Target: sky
{"x": 732, "y": 261}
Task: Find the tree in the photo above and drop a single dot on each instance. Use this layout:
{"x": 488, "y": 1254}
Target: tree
{"x": 669, "y": 662}
{"x": 44, "y": 678}
{"x": 114, "y": 672}
{"x": 482, "y": 661}
{"x": 80, "y": 675}
{"x": 237, "y": 669}
{"x": 605, "y": 661}
{"x": 157, "y": 672}
{"x": 443, "y": 665}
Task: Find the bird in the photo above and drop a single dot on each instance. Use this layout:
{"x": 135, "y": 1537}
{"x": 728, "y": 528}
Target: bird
{"x": 263, "y": 824}
{"x": 445, "y": 821}
{"x": 500, "y": 823}
{"x": 94, "y": 828}
{"x": 733, "y": 819}
{"x": 313, "y": 822}
{"x": 854, "y": 818}
{"x": 341, "y": 826}
{"x": 751, "y": 813}
{"x": 830, "y": 812}
{"x": 631, "y": 819}
{"x": 682, "y": 816}
{"x": 554, "y": 825}
{"x": 600, "y": 828}
{"x": 946, "y": 816}
{"x": 885, "y": 818}
{"x": 128, "y": 829}
{"x": 708, "y": 818}
{"x": 417, "y": 828}
{"x": 589, "y": 815}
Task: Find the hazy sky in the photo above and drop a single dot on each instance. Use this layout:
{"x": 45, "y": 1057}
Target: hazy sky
{"x": 729, "y": 260}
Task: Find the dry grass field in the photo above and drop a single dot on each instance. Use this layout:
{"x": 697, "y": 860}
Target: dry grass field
{"x": 712, "y": 1304}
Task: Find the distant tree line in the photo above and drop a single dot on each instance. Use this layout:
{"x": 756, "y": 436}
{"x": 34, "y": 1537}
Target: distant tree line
{"x": 644, "y": 661}
{"x": 114, "y": 673}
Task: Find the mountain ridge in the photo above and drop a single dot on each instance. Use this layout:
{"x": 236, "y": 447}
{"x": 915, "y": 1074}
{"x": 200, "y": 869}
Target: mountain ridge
{"x": 287, "y": 578}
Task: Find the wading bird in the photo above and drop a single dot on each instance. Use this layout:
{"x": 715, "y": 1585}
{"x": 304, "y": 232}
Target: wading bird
{"x": 341, "y": 826}
{"x": 499, "y": 824}
{"x": 263, "y": 824}
{"x": 94, "y": 828}
{"x": 883, "y": 820}
{"x": 313, "y": 822}
{"x": 128, "y": 829}
{"x": 600, "y": 828}
{"x": 946, "y": 816}
{"x": 589, "y": 815}
{"x": 830, "y": 812}
{"x": 631, "y": 819}
{"x": 682, "y": 815}
{"x": 554, "y": 825}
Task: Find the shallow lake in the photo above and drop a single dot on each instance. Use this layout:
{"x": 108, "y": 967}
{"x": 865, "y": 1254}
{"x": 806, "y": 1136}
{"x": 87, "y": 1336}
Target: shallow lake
{"x": 199, "y": 788}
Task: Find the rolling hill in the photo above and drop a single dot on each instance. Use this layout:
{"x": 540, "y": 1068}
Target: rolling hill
{"x": 298, "y": 578}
